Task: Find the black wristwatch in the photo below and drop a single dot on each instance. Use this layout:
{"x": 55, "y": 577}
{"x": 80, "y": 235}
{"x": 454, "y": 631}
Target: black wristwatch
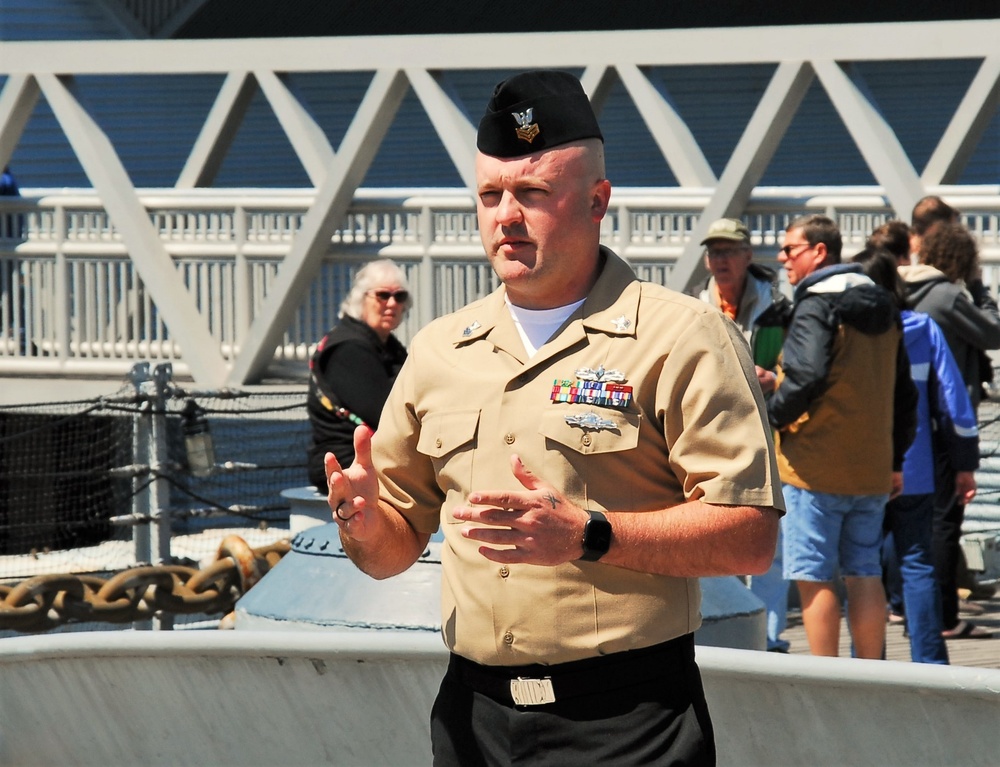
{"x": 596, "y": 537}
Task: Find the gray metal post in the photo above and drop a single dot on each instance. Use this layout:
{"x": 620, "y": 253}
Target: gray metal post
{"x": 141, "y": 440}
{"x": 141, "y": 431}
{"x": 159, "y": 499}
{"x": 151, "y": 492}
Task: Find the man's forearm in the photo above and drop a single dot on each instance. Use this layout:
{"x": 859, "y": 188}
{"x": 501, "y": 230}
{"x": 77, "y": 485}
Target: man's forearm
{"x": 391, "y": 549}
{"x": 694, "y": 540}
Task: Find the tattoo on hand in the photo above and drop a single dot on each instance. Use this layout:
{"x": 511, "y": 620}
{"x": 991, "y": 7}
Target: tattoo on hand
{"x": 552, "y": 499}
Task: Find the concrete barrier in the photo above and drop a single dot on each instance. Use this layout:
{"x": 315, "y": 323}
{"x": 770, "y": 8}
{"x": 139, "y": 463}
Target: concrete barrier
{"x": 363, "y": 698}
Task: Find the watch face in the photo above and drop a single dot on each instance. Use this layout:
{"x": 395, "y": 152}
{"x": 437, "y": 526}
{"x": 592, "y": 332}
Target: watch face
{"x": 598, "y": 535}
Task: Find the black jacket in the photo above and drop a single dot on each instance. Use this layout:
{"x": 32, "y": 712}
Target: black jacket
{"x": 352, "y": 370}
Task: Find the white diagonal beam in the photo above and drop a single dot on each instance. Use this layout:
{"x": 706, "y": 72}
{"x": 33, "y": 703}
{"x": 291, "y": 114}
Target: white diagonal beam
{"x": 669, "y": 131}
{"x": 450, "y": 120}
{"x": 754, "y": 151}
{"x": 966, "y": 128}
{"x": 355, "y": 155}
{"x": 306, "y": 136}
{"x": 872, "y": 135}
{"x": 597, "y": 81}
{"x": 104, "y": 169}
{"x": 217, "y": 133}
{"x": 17, "y": 102}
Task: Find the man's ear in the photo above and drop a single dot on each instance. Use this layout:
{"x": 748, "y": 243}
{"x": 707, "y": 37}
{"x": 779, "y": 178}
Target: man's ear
{"x": 601, "y": 199}
{"x": 821, "y": 253}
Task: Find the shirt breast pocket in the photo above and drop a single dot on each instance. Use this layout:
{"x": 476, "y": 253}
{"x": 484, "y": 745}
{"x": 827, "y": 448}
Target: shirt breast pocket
{"x": 449, "y": 439}
{"x": 588, "y": 432}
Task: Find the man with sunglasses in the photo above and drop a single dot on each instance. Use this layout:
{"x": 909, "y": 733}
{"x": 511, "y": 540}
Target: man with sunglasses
{"x": 589, "y": 444}
{"x": 845, "y": 413}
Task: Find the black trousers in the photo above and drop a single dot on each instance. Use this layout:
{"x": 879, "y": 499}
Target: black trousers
{"x": 645, "y": 707}
{"x": 947, "y": 547}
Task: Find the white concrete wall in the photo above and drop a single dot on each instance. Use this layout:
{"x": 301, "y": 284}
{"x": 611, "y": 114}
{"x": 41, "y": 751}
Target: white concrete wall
{"x": 255, "y": 698}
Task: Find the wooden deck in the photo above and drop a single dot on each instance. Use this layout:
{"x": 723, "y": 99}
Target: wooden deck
{"x": 982, "y": 653}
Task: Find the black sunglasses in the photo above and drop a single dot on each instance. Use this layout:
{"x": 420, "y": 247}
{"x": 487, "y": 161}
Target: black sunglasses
{"x": 401, "y": 296}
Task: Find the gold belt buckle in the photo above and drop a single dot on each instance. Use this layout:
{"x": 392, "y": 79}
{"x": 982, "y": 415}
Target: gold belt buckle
{"x": 532, "y": 692}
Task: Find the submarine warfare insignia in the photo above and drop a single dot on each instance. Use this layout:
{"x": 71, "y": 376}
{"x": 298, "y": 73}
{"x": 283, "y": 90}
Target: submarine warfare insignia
{"x": 471, "y": 329}
{"x": 591, "y": 420}
{"x": 589, "y": 374}
{"x": 526, "y": 130}
{"x": 621, "y": 324}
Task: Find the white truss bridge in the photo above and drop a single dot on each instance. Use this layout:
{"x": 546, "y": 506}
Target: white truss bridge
{"x": 227, "y": 283}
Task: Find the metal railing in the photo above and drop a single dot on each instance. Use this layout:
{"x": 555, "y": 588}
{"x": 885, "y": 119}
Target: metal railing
{"x": 73, "y": 303}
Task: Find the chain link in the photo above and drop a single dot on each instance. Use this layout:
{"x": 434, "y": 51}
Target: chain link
{"x": 44, "y": 602}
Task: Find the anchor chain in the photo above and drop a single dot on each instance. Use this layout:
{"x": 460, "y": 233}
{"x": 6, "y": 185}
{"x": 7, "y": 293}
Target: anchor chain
{"x": 44, "y": 602}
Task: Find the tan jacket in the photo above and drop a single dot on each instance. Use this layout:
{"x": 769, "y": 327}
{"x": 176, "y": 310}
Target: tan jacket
{"x": 467, "y": 398}
{"x": 844, "y": 404}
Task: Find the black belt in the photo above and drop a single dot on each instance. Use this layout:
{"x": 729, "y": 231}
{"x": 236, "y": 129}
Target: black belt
{"x": 538, "y": 684}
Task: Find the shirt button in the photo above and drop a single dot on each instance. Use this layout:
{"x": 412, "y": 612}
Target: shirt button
{"x": 508, "y": 638}
{"x": 509, "y": 438}
{"x": 437, "y": 442}
{"x": 504, "y": 571}
{"x": 587, "y": 440}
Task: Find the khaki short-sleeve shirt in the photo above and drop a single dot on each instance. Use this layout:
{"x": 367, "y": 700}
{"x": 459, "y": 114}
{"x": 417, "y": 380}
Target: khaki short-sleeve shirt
{"x": 692, "y": 426}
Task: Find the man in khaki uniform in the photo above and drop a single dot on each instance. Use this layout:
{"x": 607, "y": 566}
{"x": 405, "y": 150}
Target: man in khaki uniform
{"x": 590, "y": 444}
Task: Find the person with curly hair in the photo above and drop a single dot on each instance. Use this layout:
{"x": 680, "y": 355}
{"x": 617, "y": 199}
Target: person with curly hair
{"x": 947, "y": 286}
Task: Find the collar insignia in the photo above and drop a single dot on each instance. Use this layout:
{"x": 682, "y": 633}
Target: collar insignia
{"x": 621, "y": 324}
{"x": 471, "y": 329}
{"x": 527, "y": 130}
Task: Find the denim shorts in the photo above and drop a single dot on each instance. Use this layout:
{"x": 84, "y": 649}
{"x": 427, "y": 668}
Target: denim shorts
{"x": 830, "y": 533}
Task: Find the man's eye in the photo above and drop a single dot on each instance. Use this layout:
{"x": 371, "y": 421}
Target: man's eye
{"x": 489, "y": 198}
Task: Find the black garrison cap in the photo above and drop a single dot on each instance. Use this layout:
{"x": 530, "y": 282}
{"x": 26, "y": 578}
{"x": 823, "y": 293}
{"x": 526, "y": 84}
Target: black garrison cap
{"x": 536, "y": 110}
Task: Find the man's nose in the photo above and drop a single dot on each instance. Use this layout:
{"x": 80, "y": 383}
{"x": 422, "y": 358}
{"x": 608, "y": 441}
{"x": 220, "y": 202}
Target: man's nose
{"x": 508, "y": 210}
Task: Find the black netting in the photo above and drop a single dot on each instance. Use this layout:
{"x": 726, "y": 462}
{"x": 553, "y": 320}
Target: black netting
{"x": 82, "y": 477}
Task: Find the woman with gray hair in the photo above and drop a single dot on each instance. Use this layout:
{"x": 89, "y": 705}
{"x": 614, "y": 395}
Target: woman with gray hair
{"x": 355, "y": 364}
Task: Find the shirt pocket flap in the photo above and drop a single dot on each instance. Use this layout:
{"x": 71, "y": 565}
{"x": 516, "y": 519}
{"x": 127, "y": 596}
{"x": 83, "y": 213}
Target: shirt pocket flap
{"x": 594, "y": 431}
{"x": 442, "y": 433}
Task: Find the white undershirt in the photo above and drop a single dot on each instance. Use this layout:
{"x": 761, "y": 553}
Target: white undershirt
{"x": 536, "y": 326}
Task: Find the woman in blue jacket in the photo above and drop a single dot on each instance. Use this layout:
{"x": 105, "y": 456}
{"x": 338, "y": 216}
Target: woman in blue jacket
{"x": 943, "y": 408}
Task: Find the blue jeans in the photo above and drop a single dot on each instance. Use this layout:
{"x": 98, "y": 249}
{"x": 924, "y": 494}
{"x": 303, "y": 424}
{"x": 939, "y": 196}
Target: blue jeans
{"x": 909, "y": 520}
{"x": 771, "y": 588}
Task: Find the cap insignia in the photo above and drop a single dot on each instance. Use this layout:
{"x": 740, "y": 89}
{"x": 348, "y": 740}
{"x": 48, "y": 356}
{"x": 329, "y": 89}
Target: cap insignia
{"x": 527, "y": 130}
